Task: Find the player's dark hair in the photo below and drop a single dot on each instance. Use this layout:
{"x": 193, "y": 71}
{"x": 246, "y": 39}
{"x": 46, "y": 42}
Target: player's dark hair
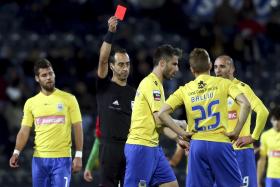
{"x": 41, "y": 64}
{"x": 116, "y": 50}
{"x": 275, "y": 113}
{"x": 166, "y": 52}
{"x": 199, "y": 60}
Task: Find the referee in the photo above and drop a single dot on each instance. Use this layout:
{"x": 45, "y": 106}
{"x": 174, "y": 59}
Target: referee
{"x": 114, "y": 101}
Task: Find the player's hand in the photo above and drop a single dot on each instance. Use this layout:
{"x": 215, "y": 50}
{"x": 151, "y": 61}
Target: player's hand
{"x": 112, "y": 24}
{"x": 77, "y": 164}
{"x": 88, "y": 176}
{"x": 14, "y": 161}
{"x": 183, "y": 124}
{"x": 244, "y": 140}
{"x": 186, "y": 136}
{"x": 183, "y": 144}
{"x": 233, "y": 136}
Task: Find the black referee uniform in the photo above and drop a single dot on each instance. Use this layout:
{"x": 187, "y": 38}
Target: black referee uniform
{"x": 114, "y": 108}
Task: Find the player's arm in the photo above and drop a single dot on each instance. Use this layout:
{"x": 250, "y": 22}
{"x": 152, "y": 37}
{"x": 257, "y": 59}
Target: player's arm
{"x": 22, "y": 138}
{"x": 92, "y": 162}
{"x": 262, "y": 115}
{"x": 177, "y": 156}
{"x": 260, "y": 169}
{"x": 166, "y": 119}
{"x": 261, "y": 165}
{"x": 106, "y": 48}
{"x": 167, "y": 131}
{"x": 79, "y": 139}
{"x": 245, "y": 108}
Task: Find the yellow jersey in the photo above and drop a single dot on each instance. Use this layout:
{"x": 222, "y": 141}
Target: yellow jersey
{"x": 257, "y": 106}
{"x": 52, "y": 117}
{"x": 270, "y": 147}
{"x": 205, "y": 101}
{"x": 148, "y": 100}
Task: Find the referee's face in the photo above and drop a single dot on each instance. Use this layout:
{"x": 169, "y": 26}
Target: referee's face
{"x": 121, "y": 66}
{"x": 46, "y": 79}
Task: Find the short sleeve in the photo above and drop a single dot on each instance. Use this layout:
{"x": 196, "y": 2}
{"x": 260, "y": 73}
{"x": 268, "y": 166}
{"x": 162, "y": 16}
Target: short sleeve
{"x": 233, "y": 90}
{"x": 74, "y": 111}
{"x": 153, "y": 95}
{"x": 175, "y": 100}
{"x": 27, "y": 119}
{"x": 263, "y": 146}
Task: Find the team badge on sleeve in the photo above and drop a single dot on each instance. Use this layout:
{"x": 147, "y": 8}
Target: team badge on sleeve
{"x": 156, "y": 94}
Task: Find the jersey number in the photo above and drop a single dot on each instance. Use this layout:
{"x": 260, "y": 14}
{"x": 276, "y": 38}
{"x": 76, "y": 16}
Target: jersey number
{"x": 205, "y": 115}
{"x": 66, "y": 181}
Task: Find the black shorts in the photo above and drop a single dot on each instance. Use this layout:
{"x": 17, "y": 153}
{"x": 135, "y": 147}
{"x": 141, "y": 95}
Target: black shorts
{"x": 112, "y": 164}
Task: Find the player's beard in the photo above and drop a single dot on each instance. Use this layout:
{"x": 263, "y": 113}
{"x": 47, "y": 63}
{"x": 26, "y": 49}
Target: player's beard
{"x": 48, "y": 86}
{"x": 167, "y": 75}
{"x": 224, "y": 75}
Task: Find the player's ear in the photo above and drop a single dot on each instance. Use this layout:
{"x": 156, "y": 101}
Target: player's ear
{"x": 36, "y": 78}
{"x": 111, "y": 66}
{"x": 162, "y": 63}
{"x": 192, "y": 70}
{"x": 232, "y": 69}
{"x": 210, "y": 65}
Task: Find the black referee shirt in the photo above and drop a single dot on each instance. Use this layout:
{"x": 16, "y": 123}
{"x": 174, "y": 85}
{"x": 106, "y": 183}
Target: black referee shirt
{"x": 114, "y": 108}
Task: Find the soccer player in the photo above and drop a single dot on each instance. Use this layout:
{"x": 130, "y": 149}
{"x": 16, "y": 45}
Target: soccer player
{"x": 270, "y": 152}
{"x": 145, "y": 160}
{"x": 211, "y": 157}
{"x": 224, "y": 67}
{"x": 54, "y": 113}
{"x": 93, "y": 160}
{"x": 114, "y": 101}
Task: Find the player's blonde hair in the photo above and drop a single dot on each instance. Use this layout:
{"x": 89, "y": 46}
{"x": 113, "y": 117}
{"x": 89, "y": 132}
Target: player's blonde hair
{"x": 199, "y": 60}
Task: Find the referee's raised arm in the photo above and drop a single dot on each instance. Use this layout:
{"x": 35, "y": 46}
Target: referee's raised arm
{"x": 106, "y": 48}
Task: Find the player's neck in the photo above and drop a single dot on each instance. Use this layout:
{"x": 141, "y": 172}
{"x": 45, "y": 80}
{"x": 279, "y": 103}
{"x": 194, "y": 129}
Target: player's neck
{"x": 119, "y": 82}
{"x": 46, "y": 92}
{"x": 231, "y": 78}
{"x": 276, "y": 129}
{"x": 204, "y": 73}
{"x": 158, "y": 73}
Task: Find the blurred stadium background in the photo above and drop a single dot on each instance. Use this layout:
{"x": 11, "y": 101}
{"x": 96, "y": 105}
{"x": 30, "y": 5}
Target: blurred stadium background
{"x": 69, "y": 33}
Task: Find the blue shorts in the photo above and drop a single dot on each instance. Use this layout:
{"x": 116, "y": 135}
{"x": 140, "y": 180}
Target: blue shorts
{"x": 272, "y": 182}
{"x": 55, "y": 172}
{"x": 212, "y": 162}
{"x": 148, "y": 164}
{"x": 247, "y": 164}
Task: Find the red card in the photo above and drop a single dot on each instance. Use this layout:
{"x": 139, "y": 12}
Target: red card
{"x": 120, "y": 12}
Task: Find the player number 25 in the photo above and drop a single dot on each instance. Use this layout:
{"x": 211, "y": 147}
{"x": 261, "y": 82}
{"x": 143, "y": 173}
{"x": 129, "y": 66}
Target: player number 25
{"x": 205, "y": 115}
